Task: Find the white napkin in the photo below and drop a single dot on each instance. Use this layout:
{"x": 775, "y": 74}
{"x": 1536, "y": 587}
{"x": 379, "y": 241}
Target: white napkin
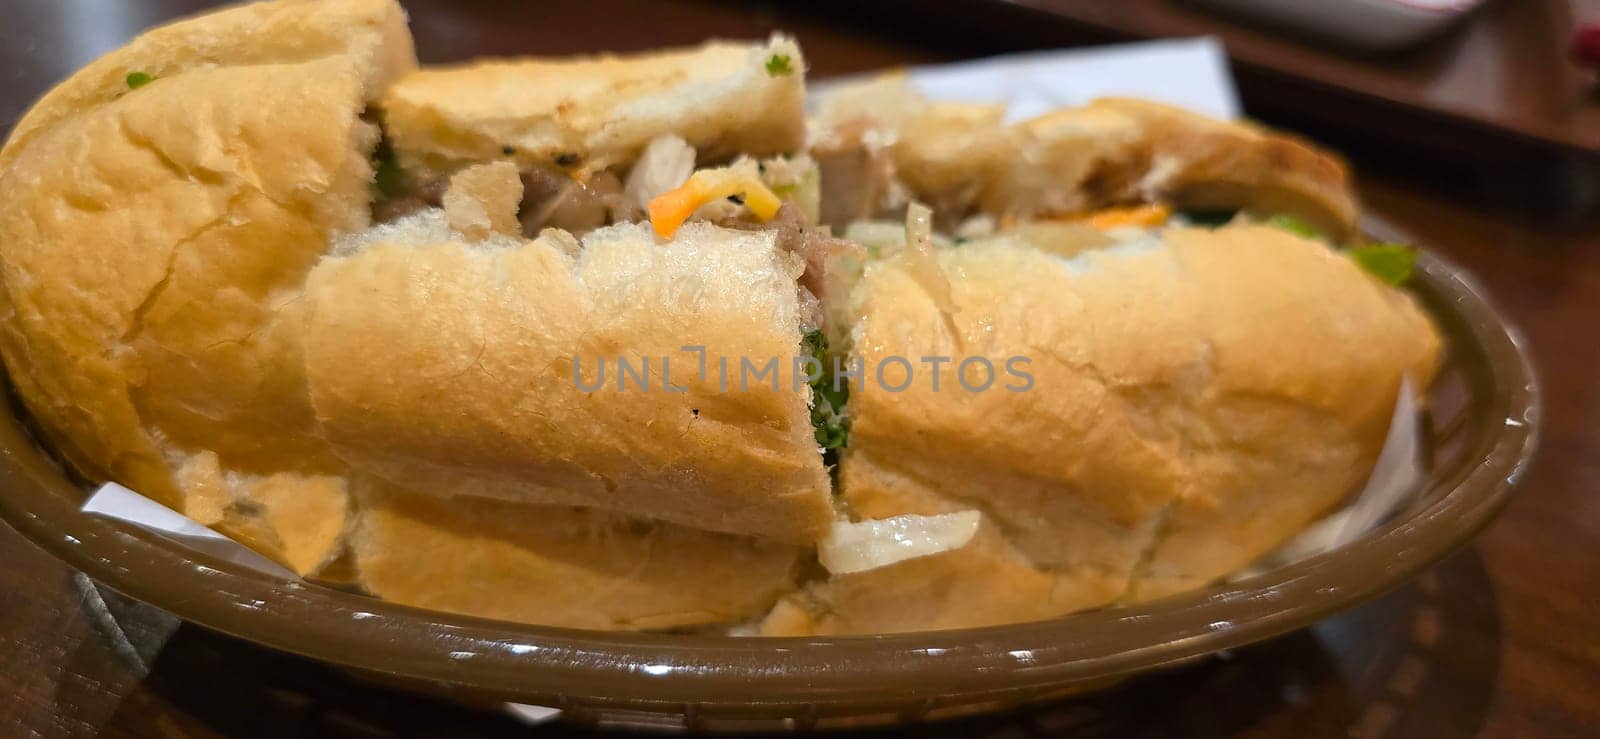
{"x": 1189, "y": 73}
{"x": 115, "y": 501}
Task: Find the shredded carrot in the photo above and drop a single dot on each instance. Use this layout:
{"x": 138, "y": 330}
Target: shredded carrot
{"x": 669, "y": 210}
{"x": 1137, "y": 215}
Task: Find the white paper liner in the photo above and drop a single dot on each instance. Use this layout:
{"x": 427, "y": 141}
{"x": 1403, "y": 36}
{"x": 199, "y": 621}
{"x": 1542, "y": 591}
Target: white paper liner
{"x": 1189, "y": 73}
{"x": 1396, "y": 478}
{"x": 115, "y": 501}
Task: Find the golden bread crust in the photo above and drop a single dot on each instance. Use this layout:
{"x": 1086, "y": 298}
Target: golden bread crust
{"x": 1200, "y": 163}
{"x": 1120, "y": 150}
{"x": 450, "y": 369}
{"x": 371, "y": 34}
{"x": 561, "y": 566}
{"x": 1194, "y": 404}
{"x": 590, "y": 113}
{"x": 151, "y": 234}
{"x": 143, "y": 250}
{"x": 1110, "y": 152}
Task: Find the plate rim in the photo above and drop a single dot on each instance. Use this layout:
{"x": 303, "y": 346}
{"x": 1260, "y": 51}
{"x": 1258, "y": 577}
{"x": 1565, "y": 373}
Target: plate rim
{"x": 665, "y": 673}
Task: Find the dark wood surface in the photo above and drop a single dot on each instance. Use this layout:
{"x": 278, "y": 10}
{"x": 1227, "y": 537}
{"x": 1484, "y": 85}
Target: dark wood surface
{"x": 1506, "y": 68}
{"x": 1499, "y": 90}
{"x": 1501, "y": 640}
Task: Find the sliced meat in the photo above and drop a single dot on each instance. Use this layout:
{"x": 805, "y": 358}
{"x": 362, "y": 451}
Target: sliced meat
{"x": 817, "y": 246}
{"x": 556, "y": 200}
{"x": 429, "y": 194}
{"x": 856, "y": 177}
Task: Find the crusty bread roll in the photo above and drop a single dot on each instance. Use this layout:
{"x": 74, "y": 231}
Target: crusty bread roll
{"x": 448, "y": 368}
{"x": 561, "y": 566}
{"x": 1194, "y": 402}
{"x": 588, "y": 114}
{"x": 149, "y": 235}
{"x": 370, "y": 34}
{"x": 298, "y": 519}
{"x": 987, "y": 582}
{"x": 1118, "y": 150}
{"x": 881, "y": 143}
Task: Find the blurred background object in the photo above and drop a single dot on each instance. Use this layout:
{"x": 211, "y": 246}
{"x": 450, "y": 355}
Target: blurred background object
{"x": 1493, "y": 104}
{"x": 1375, "y": 25}
{"x": 1586, "y": 43}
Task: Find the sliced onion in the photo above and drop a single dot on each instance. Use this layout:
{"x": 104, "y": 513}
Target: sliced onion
{"x": 665, "y": 163}
{"x": 867, "y": 545}
{"x": 921, "y": 262}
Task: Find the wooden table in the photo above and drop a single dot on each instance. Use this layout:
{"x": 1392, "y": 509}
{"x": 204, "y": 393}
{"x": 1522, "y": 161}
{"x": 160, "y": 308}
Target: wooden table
{"x": 1502, "y": 639}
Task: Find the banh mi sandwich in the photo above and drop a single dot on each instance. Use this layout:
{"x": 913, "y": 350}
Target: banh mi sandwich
{"x": 563, "y": 341}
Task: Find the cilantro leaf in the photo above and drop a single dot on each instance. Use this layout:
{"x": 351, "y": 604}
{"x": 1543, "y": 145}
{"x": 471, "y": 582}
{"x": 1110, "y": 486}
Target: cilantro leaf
{"x": 1295, "y": 225}
{"x": 1392, "y": 263}
{"x": 778, "y": 65}
{"x": 386, "y": 174}
{"x": 828, "y": 418}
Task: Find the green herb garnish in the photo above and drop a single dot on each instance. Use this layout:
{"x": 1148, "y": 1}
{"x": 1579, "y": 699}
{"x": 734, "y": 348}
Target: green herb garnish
{"x": 778, "y": 65}
{"x": 828, "y": 397}
{"x": 1294, "y": 225}
{"x": 1392, "y": 263}
{"x": 386, "y": 174}
{"x": 137, "y": 80}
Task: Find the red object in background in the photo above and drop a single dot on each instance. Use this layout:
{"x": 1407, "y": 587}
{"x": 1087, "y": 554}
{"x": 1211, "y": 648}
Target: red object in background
{"x": 1586, "y": 44}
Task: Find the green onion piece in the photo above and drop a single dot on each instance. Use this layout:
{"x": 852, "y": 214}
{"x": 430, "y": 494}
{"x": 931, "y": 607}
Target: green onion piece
{"x": 815, "y": 343}
{"x": 1392, "y": 263}
{"x": 778, "y": 65}
{"x": 386, "y": 174}
{"x": 828, "y": 419}
{"x": 1294, "y": 225}
{"x": 137, "y": 80}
